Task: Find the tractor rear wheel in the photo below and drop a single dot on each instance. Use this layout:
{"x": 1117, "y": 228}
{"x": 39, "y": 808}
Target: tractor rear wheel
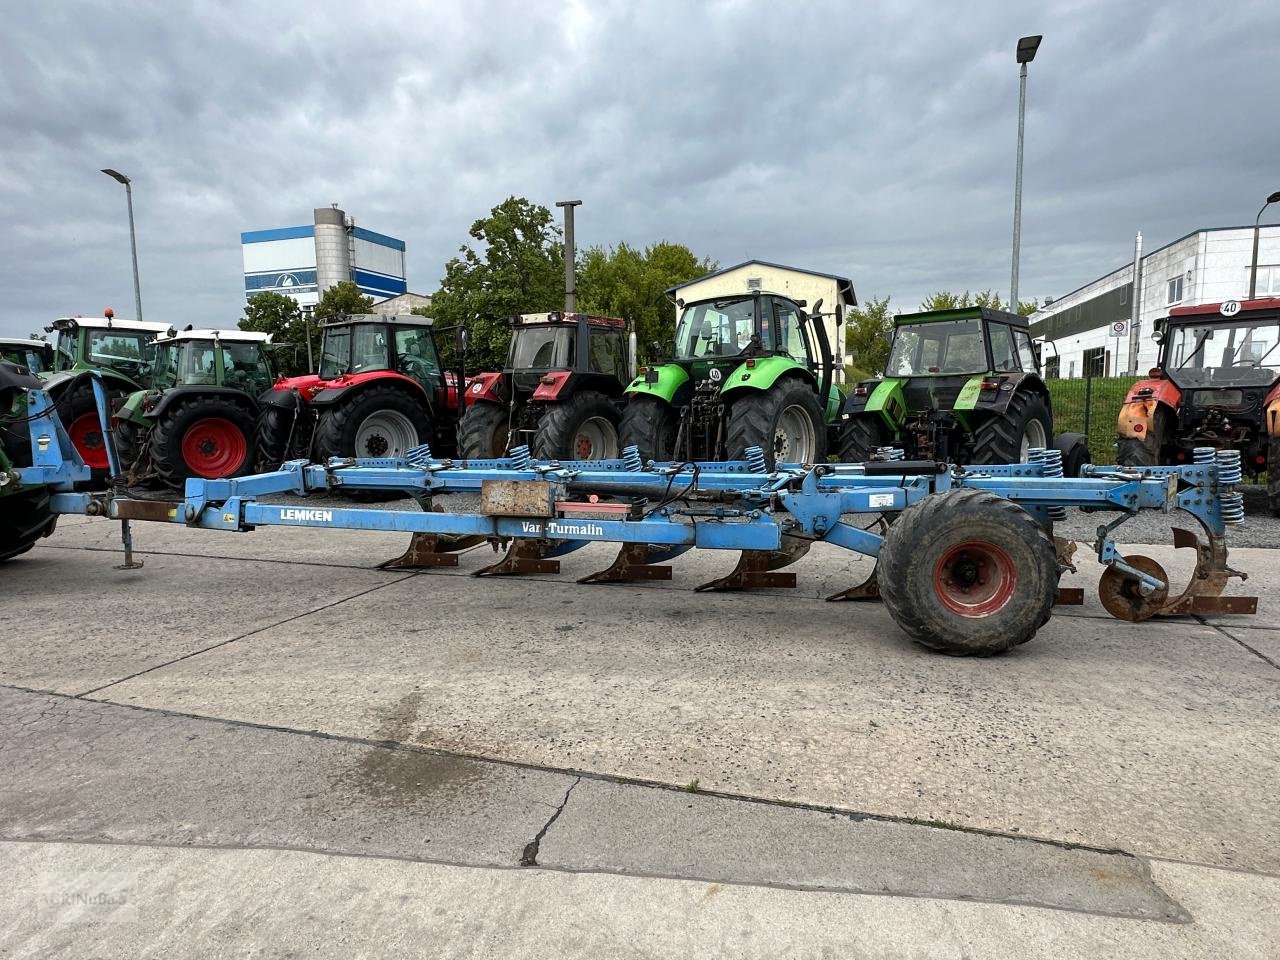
{"x": 381, "y": 421}
{"x": 860, "y": 436}
{"x": 650, "y": 425}
{"x": 1273, "y": 476}
{"x": 584, "y": 427}
{"x": 78, "y": 411}
{"x": 203, "y": 436}
{"x": 24, "y": 518}
{"x": 968, "y": 573}
{"x": 127, "y": 435}
{"x": 273, "y": 435}
{"x": 1132, "y": 452}
{"x": 1007, "y": 437}
{"x": 785, "y": 421}
{"x": 482, "y": 431}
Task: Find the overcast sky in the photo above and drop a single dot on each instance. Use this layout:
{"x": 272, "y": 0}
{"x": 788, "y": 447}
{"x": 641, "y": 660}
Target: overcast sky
{"x": 877, "y": 143}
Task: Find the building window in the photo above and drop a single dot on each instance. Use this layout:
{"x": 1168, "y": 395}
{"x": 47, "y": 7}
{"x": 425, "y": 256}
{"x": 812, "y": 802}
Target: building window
{"x": 1051, "y": 367}
{"x": 1175, "y": 290}
{"x": 1268, "y": 280}
{"x": 754, "y": 283}
{"x": 1095, "y": 362}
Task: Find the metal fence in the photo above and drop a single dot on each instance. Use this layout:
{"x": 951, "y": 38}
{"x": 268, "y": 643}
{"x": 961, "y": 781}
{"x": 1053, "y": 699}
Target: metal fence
{"x": 1090, "y": 406}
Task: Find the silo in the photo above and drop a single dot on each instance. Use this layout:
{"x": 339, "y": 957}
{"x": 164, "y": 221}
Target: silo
{"x": 333, "y": 249}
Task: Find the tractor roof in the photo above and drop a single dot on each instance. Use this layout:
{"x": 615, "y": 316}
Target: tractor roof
{"x": 746, "y": 295}
{"x": 960, "y": 313}
{"x": 559, "y": 316}
{"x": 23, "y": 342}
{"x": 397, "y": 319}
{"x": 229, "y": 336}
{"x": 108, "y": 323}
{"x": 1213, "y": 311}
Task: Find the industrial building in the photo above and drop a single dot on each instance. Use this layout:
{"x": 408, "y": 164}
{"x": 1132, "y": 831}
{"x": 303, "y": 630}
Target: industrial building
{"x": 303, "y": 262}
{"x": 1101, "y": 329}
{"x": 836, "y": 293}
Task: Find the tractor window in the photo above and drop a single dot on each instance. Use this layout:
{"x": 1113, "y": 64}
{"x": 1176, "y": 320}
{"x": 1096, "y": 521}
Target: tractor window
{"x": 1026, "y": 355}
{"x": 416, "y": 355}
{"x": 795, "y": 339}
{"x": 719, "y": 329}
{"x": 337, "y": 352}
{"x": 369, "y": 348}
{"x": 942, "y": 347}
{"x": 119, "y": 349}
{"x": 245, "y": 367}
{"x": 1002, "y": 355}
{"x": 66, "y": 349}
{"x": 1200, "y": 355}
{"x": 197, "y": 364}
{"x": 607, "y": 355}
{"x": 542, "y": 347}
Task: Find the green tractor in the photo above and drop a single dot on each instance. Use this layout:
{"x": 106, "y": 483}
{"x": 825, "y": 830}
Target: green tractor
{"x": 119, "y": 350}
{"x": 960, "y": 386}
{"x": 199, "y": 416}
{"x": 35, "y": 355}
{"x": 746, "y": 371}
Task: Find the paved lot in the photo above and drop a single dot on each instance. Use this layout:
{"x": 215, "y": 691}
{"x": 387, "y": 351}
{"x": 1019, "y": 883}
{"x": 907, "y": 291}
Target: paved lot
{"x": 264, "y": 739}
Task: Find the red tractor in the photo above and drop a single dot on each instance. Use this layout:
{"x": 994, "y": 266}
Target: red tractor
{"x": 560, "y": 392}
{"x": 1217, "y": 384}
{"x": 380, "y": 392}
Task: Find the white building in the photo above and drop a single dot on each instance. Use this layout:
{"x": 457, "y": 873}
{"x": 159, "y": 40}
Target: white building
{"x": 303, "y": 262}
{"x": 836, "y": 294}
{"x": 1091, "y": 331}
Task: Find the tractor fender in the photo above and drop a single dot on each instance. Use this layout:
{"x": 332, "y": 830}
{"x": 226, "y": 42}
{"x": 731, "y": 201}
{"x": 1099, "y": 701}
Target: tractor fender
{"x": 134, "y": 407}
{"x": 1011, "y": 383}
{"x": 346, "y": 387}
{"x": 668, "y": 378}
{"x": 56, "y": 383}
{"x": 761, "y": 373}
{"x": 558, "y": 386}
{"x": 884, "y": 398}
{"x": 1138, "y": 412}
{"x": 489, "y": 387}
{"x": 171, "y": 396}
{"x": 1271, "y": 406}
{"x": 284, "y": 395}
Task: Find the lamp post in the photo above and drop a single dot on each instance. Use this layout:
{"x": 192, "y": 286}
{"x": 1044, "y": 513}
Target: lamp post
{"x": 119, "y": 177}
{"x": 1257, "y": 221}
{"x": 570, "y": 255}
{"x": 1026, "y": 52}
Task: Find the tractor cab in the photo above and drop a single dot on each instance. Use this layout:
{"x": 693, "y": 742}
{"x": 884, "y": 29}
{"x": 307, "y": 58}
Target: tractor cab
{"x": 1216, "y": 384}
{"x": 357, "y": 347}
{"x": 231, "y": 358}
{"x": 573, "y": 343}
{"x": 104, "y": 343}
{"x": 35, "y": 355}
{"x": 745, "y": 370}
{"x": 960, "y": 385}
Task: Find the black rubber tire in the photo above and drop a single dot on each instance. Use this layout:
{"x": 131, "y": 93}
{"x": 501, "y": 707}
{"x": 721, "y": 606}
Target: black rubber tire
{"x": 1132, "y": 452}
{"x": 1273, "y": 476}
{"x": 923, "y": 534}
{"x": 180, "y": 416}
{"x": 338, "y": 424}
{"x": 1075, "y": 452}
{"x": 482, "y": 431}
{"x": 271, "y": 436}
{"x": 24, "y": 518}
{"x": 649, "y": 424}
{"x": 75, "y": 402}
{"x": 128, "y": 437}
{"x": 860, "y": 436}
{"x": 559, "y": 424}
{"x": 753, "y": 420}
{"x": 998, "y": 438}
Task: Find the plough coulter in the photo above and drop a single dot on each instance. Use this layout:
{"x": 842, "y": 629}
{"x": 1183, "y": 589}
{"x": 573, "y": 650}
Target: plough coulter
{"x": 967, "y": 559}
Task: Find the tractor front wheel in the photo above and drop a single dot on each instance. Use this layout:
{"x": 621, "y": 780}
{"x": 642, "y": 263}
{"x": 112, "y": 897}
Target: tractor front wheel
{"x": 78, "y": 411}
{"x": 1135, "y": 452}
{"x": 1007, "y": 437}
{"x": 649, "y": 424}
{"x": 209, "y": 437}
{"x": 785, "y": 421}
{"x": 382, "y": 421}
{"x": 482, "y": 431}
{"x": 25, "y": 517}
{"x": 275, "y": 435}
{"x": 584, "y": 427}
{"x": 860, "y": 436}
{"x": 968, "y": 573}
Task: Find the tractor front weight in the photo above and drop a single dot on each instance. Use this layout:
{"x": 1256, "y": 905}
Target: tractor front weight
{"x": 969, "y": 558}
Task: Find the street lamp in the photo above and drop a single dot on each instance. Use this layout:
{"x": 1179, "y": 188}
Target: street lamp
{"x": 1027, "y": 47}
{"x": 1257, "y": 221}
{"x": 570, "y": 256}
{"x": 119, "y": 177}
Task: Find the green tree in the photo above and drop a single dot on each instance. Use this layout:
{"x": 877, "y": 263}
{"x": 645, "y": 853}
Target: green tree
{"x": 280, "y": 316}
{"x": 632, "y": 284}
{"x": 516, "y": 265}
{"x": 946, "y": 300}
{"x": 341, "y": 300}
{"x": 866, "y": 335}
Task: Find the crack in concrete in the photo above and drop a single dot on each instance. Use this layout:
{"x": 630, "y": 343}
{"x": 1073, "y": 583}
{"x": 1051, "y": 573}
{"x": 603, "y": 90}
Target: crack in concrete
{"x": 1236, "y": 640}
{"x": 529, "y": 858}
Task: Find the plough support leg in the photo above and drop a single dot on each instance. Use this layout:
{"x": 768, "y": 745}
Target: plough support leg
{"x": 1204, "y": 592}
{"x": 756, "y": 568}
{"x": 637, "y": 561}
{"x": 431, "y": 549}
{"x": 523, "y": 556}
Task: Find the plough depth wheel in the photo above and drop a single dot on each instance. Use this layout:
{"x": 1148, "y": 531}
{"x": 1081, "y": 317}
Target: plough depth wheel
{"x": 1121, "y": 593}
{"x": 968, "y": 573}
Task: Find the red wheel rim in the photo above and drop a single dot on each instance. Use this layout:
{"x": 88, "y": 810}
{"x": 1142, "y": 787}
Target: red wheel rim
{"x": 975, "y": 578}
{"x": 86, "y": 437}
{"x": 214, "y": 448}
